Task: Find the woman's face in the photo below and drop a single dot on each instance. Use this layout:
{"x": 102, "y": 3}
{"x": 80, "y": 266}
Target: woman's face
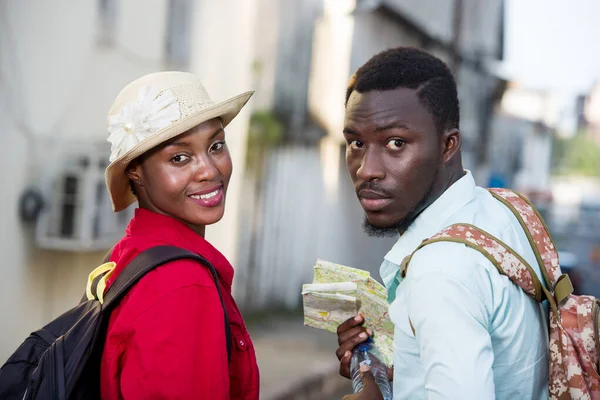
{"x": 186, "y": 178}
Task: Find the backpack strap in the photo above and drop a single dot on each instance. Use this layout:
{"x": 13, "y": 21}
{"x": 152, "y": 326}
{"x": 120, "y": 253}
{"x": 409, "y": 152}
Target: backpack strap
{"x": 501, "y": 255}
{"x": 536, "y": 230}
{"x": 94, "y": 279}
{"x": 508, "y": 262}
{"x": 559, "y": 285}
{"x": 96, "y": 285}
{"x": 150, "y": 259}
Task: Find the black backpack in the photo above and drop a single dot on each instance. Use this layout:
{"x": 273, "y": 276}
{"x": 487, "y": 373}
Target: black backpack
{"x": 62, "y": 360}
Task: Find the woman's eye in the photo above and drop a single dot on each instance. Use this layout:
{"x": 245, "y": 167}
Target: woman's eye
{"x": 395, "y": 144}
{"x": 180, "y": 158}
{"x": 355, "y": 144}
{"x": 218, "y": 146}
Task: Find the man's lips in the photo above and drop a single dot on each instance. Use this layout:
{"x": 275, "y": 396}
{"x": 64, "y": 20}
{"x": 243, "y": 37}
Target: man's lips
{"x": 372, "y": 200}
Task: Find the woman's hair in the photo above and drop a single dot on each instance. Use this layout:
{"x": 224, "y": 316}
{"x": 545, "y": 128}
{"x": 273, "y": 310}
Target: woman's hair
{"x": 132, "y": 187}
{"x": 134, "y": 163}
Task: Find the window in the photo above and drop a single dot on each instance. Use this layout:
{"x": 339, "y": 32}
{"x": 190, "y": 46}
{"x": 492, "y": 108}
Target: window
{"x": 78, "y": 215}
{"x": 68, "y": 205}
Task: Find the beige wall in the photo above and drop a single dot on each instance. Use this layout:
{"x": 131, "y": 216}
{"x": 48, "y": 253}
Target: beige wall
{"x": 223, "y": 59}
{"x": 58, "y": 82}
{"x": 264, "y": 62}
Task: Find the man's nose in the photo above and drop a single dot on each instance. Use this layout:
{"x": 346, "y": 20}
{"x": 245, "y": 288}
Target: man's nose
{"x": 370, "y": 167}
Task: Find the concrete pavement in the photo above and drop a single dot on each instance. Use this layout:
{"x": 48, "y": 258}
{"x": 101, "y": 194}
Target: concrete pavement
{"x": 296, "y": 362}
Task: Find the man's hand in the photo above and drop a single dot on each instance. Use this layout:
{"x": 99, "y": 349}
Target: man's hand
{"x": 350, "y": 333}
{"x": 370, "y": 390}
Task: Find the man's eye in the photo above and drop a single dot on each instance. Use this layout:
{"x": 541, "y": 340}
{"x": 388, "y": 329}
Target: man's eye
{"x": 179, "y": 158}
{"x": 356, "y": 144}
{"x": 394, "y": 144}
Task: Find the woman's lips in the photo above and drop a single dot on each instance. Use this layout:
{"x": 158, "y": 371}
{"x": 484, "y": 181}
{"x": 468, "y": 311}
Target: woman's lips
{"x": 211, "y": 198}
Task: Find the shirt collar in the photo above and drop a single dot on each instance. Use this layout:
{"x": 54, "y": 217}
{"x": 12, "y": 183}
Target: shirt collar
{"x": 162, "y": 228}
{"x": 433, "y": 218}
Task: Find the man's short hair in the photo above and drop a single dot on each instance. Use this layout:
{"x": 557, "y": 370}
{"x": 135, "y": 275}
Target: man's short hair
{"x": 409, "y": 67}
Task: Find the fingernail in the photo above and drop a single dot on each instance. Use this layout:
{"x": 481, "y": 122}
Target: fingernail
{"x": 362, "y": 335}
{"x": 347, "y": 353}
{"x": 370, "y": 332}
{"x": 364, "y": 368}
{"x": 358, "y": 318}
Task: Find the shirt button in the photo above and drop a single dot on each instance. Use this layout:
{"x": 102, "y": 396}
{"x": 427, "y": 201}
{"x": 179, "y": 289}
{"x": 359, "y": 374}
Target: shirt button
{"x": 242, "y": 343}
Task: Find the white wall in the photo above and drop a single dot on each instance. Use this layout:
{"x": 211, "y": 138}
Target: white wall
{"x": 264, "y": 63}
{"x": 223, "y": 60}
{"x": 375, "y": 32}
{"x": 57, "y": 83}
{"x": 434, "y": 16}
{"x": 330, "y": 69}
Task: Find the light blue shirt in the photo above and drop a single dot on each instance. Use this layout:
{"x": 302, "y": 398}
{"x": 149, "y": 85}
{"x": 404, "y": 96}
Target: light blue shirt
{"x": 478, "y": 335}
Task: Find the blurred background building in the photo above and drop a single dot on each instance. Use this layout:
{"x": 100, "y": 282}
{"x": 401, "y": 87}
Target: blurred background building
{"x": 290, "y": 201}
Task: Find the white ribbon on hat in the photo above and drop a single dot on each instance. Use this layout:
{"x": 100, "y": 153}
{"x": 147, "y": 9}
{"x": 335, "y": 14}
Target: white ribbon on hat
{"x": 140, "y": 119}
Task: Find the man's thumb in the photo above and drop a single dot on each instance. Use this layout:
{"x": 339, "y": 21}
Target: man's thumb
{"x": 366, "y": 374}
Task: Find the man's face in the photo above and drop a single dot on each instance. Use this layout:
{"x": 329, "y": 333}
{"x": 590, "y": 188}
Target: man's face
{"x": 394, "y": 153}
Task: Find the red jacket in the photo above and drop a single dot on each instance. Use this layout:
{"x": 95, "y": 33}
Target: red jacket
{"x": 166, "y": 339}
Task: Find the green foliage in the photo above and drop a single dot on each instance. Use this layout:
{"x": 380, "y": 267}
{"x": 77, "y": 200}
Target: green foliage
{"x": 265, "y": 129}
{"x": 579, "y": 156}
{"x": 265, "y": 132}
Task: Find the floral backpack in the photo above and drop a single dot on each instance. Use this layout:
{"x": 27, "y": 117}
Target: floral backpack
{"x": 574, "y": 321}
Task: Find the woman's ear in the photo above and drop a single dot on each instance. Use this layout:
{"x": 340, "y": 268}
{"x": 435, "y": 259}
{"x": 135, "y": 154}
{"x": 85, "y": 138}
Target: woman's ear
{"x": 134, "y": 172}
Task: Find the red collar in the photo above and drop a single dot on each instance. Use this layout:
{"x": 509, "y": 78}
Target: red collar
{"x": 153, "y": 227}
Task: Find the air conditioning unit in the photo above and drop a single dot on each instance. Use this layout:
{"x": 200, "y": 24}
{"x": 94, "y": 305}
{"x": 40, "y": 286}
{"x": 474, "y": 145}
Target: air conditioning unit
{"x": 78, "y": 215}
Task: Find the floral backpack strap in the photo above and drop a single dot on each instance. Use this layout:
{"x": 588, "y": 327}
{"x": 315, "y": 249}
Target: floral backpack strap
{"x": 539, "y": 238}
{"x": 574, "y": 321}
{"x": 536, "y": 230}
{"x": 504, "y": 258}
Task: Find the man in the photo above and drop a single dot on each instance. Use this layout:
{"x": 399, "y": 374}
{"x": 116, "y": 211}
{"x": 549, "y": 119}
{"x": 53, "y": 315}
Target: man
{"x": 462, "y": 330}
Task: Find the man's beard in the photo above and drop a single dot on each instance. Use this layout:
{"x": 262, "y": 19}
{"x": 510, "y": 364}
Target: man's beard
{"x": 401, "y": 226}
{"x": 389, "y": 231}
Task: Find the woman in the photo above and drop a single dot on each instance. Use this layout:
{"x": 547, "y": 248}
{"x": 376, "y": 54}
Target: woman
{"x": 166, "y": 338}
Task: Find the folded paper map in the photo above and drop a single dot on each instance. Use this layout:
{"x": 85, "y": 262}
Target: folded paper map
{"x": 338, "y": 293}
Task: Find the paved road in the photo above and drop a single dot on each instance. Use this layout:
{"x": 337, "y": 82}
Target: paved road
{"x": 295, "y": 361}
{"x": 340, "y": 394}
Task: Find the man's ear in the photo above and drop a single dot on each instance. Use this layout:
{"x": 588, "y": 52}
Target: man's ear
{"x": 451, "y": 144}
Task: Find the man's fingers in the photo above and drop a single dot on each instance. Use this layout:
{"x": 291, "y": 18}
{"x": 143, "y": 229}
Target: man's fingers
{"x": 346, "y": 357}
{"x": 356, "y": 331}
{"x": 350, "y": 333}
{"x": 366, "y": 375}
{"x": 351, "y": 344}
{"x": 343, "y": 355}
{"x": 370, "y": 390}
{"x": 350, "y": 323}
{"x": 345, "y": 364}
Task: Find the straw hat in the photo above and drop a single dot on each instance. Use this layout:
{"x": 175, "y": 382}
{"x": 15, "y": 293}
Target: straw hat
{"x": 152, "y": 110}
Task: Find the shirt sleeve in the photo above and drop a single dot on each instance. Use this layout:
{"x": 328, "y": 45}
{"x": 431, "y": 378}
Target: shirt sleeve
{"x": 177, "y": 349}
{"x": 451, "y": 322}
